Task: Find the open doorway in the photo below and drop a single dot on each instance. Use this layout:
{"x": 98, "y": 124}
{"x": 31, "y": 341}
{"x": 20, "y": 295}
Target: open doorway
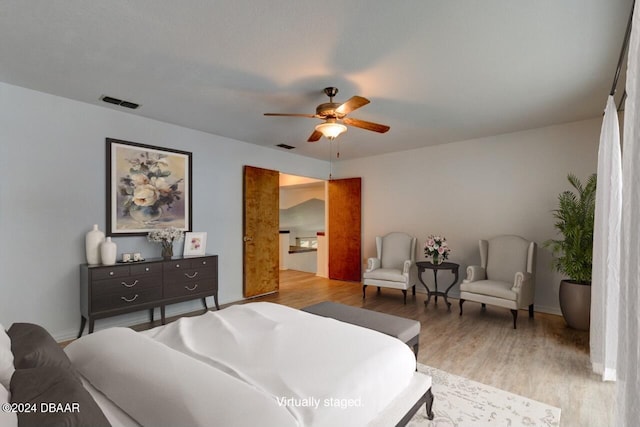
{"x": 338, "y": 253}
{"x": 303, "y": 212}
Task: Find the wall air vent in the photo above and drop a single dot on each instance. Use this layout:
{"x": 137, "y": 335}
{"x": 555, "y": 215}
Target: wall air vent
{"x": 120, "y": 102}
{"x": 285, "y": 146}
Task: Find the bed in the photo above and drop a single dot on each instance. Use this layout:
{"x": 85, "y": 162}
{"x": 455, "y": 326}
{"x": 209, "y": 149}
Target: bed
{"x": 251, "y": 364}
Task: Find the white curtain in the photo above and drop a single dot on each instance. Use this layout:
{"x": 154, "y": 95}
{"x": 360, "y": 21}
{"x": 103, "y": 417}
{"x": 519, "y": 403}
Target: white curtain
{"x": 628, "y": 383}
{"x": 605, "y": 280}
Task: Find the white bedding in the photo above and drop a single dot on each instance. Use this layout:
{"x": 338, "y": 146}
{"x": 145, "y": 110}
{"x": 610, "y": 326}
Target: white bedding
{"x": 158, "y": 386}
{"x": 251, "y": 364}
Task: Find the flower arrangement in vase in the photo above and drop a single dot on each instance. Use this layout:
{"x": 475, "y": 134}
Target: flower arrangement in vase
{"x": 166, "y": 237}
{"x": 437, "y": 249}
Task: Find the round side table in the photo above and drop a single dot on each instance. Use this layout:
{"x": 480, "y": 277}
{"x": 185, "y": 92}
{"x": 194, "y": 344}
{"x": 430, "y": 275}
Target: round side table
{"x": 451, "y": 266}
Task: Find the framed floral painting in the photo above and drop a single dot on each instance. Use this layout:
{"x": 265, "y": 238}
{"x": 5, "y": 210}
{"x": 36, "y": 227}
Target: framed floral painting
{"x": 147, "y": 188}
{"x": 195, "y": 243}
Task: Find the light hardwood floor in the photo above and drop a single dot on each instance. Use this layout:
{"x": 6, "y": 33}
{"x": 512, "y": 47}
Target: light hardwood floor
{"x": 542, "y": 359}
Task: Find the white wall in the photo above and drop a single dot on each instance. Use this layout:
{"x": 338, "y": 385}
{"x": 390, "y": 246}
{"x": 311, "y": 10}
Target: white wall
{"x": 469, "y": 190}
{"x": 52, "y": 189}
{"x": 294, "y": 195}
{"x": 302, "y": 261}
{"x": 304, "y": 219}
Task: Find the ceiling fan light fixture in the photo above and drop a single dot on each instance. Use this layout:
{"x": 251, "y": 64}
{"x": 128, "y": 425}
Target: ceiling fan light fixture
{"x": 331, "y": 130}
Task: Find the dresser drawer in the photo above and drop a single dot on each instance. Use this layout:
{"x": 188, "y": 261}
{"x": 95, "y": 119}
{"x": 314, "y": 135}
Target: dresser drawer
{"x": 128, "y": 298}
{"x": 100, "y": 273}
{"x": 189, "y": 275}
{"x": 203, "y": 262}
{"x": 146, "y": 269}
{"x": 124, "y": 284}
{"x": 186, "y": 264}
{"x": 179, "y": 289}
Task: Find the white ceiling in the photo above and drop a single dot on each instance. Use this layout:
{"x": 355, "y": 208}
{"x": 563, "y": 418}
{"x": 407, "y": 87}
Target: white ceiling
{"x": 436, "y": 71}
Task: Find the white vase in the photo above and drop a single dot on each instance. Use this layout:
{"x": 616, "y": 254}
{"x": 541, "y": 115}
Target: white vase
{"x": 92, "y": 241}
{"x": 108, "y": 252}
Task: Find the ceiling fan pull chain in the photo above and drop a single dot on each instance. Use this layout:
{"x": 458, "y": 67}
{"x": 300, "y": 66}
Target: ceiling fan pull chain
{"x": 330, "y": 164}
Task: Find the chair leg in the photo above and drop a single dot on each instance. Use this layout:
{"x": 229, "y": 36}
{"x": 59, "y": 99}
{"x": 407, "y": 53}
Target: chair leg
{"x": 413, "y": 292}
{"x": 484, "y": 307}
{"x": 461, "y": 302}
{"x": 531, "y": 311}
{"x": 364, "y": 287}
{"x": 404, "y": 292}
{"x": 378, "y": 290}
{"x": 514, "y": 313}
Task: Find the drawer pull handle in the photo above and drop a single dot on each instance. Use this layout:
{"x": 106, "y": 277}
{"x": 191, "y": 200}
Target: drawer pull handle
{"x": 177, "y": 265}
{"x": 191, "y": 289}
{"x": 129, "y": 300}
{"x": 146, "y": 269}
{"x": 191, "y": 276}
{"x": 129, "y": 286}
{"x": 204, "y": 262}
{"x": 111, "y": 273}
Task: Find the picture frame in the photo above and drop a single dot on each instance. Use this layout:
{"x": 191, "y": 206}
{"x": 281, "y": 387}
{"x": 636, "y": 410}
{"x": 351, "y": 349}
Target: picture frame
{"x": 148, "y": 188}
{"x": 195, "y": 243}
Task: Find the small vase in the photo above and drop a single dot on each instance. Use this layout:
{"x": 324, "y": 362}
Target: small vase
{"x": 92, "y": 242}
{"x": 436, "y": 260}
{"x": 145, "y": 215}
{"x": 108, "y": 252}
{"x": 167, "y": 249}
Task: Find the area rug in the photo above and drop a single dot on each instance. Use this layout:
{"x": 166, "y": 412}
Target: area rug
{"x": 462, "y": 402}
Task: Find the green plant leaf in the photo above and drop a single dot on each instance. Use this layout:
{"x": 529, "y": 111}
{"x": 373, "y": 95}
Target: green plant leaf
{"x": 575, "y": 220}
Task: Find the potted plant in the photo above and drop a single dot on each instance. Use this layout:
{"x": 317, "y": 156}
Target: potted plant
{"x": 573, "y": 253}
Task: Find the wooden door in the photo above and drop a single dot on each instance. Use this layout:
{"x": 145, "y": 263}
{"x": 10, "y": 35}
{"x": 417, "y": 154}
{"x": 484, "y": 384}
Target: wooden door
{"x": 344, "y": 234}
{"x": 261, "y": 217}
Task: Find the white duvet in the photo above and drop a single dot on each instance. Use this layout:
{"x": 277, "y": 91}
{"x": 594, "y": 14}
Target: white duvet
{"x": 247, "y": 365}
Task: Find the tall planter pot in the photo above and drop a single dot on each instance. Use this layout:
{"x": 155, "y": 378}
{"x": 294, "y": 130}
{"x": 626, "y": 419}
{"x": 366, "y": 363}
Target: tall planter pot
{"x": 575, "y": 303}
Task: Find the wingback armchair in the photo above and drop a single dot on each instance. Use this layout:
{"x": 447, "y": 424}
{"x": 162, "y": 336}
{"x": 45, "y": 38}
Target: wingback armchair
{"x": 395, "y": 265}
{"x": 506, "y": 276}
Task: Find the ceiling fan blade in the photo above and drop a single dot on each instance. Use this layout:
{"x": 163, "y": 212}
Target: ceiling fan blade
{"x": 311, "y": 116}
{"x": 315, "y": 136}
{"x": 376, "y": 127}
{"x": 352, "y": 103}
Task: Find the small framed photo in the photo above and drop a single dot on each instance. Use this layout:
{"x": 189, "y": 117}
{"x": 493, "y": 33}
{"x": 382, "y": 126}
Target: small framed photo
{"x": 195, "y": 243}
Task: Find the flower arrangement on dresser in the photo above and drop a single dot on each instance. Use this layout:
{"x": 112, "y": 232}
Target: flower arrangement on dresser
{"x": 437, "y": 249}
{"x": 166, "y": 237}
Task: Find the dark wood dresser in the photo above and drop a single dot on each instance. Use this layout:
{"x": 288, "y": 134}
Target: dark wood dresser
{"x": 110, "y": 290}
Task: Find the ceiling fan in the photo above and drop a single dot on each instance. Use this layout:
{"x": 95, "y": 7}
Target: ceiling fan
{"x": 332, "y": 113}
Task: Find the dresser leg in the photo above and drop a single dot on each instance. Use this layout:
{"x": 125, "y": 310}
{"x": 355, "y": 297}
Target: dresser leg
{"x": 91, "y": 323}
{"x": 204, "y": 302}
{"x": 162, "y": 319}
{"x": 215, "y": 299}
{"x": 151, "y": 314}
{"x": 83, "y": 322}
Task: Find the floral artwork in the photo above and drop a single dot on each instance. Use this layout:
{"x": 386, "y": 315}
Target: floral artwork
{"x": 149, "y": 188}
{"x": 436, "y": 248}
{"x": 195, "y": 243}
